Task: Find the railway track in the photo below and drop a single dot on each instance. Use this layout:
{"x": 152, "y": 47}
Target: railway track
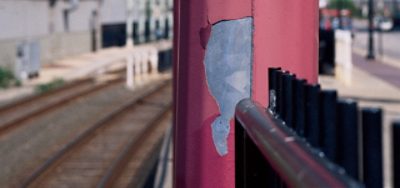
{"x": 107, "y": 150}
{"x": 16, "y": 114}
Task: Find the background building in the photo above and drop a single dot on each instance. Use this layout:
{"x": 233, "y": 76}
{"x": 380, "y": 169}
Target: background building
{"x": 54, "y": 29}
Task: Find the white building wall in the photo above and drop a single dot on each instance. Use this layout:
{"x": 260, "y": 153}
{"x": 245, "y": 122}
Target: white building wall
{"x": 29, "y": 20}
{"x": 22, "y": 19}
{"x": 79, "y": 20}
{"x": 113, "y": 11}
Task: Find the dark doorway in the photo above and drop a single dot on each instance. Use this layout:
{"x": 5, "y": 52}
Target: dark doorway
{"x": 113, "y": 35}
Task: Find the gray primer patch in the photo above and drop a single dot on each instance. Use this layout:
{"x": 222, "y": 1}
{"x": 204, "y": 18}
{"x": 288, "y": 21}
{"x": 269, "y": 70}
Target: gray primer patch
{"x": 228, "y": 61}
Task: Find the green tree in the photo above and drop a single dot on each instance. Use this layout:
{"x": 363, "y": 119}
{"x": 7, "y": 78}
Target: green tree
{"x": 345, "y": 4}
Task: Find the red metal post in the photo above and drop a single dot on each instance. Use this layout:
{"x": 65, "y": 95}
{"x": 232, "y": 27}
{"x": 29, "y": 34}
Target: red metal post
{"x": 284, "y": 33}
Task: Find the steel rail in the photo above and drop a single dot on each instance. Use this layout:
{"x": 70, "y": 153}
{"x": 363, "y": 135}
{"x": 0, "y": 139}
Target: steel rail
{"x": 32, "y": 98}
{"x": 85, "y": 136}
{"x": 131, "y": 149}
{"x": 5, "y": 128}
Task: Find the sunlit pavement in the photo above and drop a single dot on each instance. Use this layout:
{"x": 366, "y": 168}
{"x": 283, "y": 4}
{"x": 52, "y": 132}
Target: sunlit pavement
{"x": 74, "y": 68}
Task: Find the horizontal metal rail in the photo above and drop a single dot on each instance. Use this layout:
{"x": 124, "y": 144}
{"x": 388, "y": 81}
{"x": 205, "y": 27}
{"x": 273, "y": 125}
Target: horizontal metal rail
{"x": 289, "y": 156}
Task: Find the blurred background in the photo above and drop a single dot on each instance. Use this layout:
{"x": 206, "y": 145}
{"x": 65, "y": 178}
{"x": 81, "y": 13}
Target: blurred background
{"x": 85, "y": 92}
{"x": 359, "y": 56}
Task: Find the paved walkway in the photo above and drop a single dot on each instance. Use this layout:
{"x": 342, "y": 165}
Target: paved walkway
{"x": 373, "y": 84}
{"x": 73, "y": 68}
{"x": 385, "y": 72}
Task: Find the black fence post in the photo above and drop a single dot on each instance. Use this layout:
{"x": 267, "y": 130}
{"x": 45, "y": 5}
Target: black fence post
{"x": 312, "y": 114}
{"x": 347, "y": 137}
{"x": 327, "y": 139}
{"x": 272, "y": 84}
{"x": 396, "y": 153}
{"x": 239, "y": 155}
{"x": 287, "y": 82}
{"x": 252, "y": 170}
{"x": 372, "y": 147}
{"x": 299, "y": 104}
{"x": 279, "y": 93}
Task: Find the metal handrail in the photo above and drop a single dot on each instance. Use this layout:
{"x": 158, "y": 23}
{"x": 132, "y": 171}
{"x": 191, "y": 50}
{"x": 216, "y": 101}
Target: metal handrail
{"x": 290, "y": 156}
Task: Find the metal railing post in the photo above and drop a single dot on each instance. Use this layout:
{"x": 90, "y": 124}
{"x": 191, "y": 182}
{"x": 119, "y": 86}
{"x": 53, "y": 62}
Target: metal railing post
{"x": 279, "y": 93}
{"x": 371, "y": 120}
{"x": 299, "y": 103}
{"x": 396, "y": 153}
{"x": 252, "y": 170}
{"x": 327, "y": 138}
{"x": 240, "y": 162}
{"x": 347, "y": 137}
{"x": 287, "y": 90}
{"x": 273, "y": 82}
{"x": 312, "y": 128}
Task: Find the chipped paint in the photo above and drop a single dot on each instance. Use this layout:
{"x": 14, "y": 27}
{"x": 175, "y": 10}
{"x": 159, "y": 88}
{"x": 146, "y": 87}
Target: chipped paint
{"x": 228, "y": 62}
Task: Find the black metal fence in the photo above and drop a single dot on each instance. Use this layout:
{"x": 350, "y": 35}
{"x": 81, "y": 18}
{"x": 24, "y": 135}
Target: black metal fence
{"x": 270, "y": 154}
{"x": 396, "y": 154}
{"x": 309, "y": 137}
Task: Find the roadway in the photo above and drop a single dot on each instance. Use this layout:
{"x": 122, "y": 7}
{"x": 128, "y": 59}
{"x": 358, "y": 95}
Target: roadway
{"x": 386, "y": 43}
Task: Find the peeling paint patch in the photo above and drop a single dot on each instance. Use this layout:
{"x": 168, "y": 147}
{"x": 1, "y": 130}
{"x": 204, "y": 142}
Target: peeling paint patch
{"x": 228, "y": 61}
